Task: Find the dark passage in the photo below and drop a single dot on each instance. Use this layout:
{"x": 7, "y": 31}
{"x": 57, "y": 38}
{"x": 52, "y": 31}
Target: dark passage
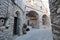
{"x": 15, "y": 26}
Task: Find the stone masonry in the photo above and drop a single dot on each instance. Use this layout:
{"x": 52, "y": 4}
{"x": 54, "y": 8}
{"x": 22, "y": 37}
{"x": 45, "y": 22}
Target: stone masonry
{"x": 13, "y": 16}
{"x": 9, "y": 10}
{"x": 55, "y": 18}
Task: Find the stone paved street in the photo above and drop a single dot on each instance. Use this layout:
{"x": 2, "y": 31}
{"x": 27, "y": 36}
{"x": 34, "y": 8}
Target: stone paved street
{"x": 37, "y": 34}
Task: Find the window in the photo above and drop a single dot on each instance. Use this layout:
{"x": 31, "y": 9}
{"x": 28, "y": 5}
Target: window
{"x": 40, "y": 7}
{"x": 44, "y": 19}
{"x": 2, "y": 21}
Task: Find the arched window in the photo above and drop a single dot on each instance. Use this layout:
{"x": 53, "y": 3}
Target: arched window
{"x": 44, "y": 19}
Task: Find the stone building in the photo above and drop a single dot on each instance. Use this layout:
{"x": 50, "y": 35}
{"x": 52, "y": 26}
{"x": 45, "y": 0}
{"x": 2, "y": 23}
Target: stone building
{"x": 11, "y": 19}
{"x": 55, "y": 18}
{"x": 37, "y": 15}
{"x": 15, "y": 13}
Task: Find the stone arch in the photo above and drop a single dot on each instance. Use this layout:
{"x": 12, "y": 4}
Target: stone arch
{"x": 16, "y": 23}
{"x": 44, "y": 19}
{"x": 16, "y": 14}
{"x": 32, "y": 17}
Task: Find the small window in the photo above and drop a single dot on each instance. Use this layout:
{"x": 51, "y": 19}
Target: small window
{"x": 41, "y": 7}
{"x": 2, "y": 21}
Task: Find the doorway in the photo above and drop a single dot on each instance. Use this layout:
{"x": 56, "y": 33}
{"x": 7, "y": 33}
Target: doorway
{"x": 15, "y": 26}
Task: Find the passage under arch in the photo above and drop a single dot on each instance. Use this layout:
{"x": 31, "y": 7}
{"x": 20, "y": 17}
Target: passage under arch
{"x": 32, "y": 17}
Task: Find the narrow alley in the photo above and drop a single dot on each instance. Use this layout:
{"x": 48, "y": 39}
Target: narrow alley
{"x": 29, "y": 19}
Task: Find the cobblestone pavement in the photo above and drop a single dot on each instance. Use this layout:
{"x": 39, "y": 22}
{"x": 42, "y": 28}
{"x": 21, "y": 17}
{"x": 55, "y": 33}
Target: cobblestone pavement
{"x": 37, "y": 34}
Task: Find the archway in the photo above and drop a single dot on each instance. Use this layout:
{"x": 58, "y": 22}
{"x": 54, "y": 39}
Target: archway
{"x": 16, "y": 27}
{"x": 32, "y": 19}
{"x": 44, "y": 19}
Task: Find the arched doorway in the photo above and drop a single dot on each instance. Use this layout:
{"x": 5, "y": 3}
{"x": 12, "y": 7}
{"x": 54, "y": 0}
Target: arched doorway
{"x": 16, "y": 27}
{"x": 32, "y": 19}
{"x": 44, "y": 20}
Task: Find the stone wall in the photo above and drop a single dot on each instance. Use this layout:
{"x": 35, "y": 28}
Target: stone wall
{"x": 55, "y": 18}
{"x": 3, "y": 8}
{"x": 7, "y": 11}
{"x": 3, "y": 12}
